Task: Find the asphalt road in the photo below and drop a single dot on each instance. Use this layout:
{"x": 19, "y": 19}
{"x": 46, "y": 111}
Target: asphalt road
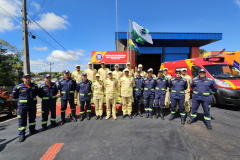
{"x": 139, "y": 138}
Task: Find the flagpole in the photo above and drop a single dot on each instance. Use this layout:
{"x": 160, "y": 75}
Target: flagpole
{"x": 129, "y": 35}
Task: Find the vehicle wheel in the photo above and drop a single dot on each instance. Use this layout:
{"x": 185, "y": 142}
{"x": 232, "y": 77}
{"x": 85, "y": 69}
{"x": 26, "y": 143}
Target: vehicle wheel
{"x": 214, "y": 101}
{"x": 13, "y": 111}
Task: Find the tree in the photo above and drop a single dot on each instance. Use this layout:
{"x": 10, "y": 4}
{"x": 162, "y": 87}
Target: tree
{"x": 11, "y": 65}
{"x": 201, "y": 51}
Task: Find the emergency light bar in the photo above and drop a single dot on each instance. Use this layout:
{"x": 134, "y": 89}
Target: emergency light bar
{"x": 214, "y": 58}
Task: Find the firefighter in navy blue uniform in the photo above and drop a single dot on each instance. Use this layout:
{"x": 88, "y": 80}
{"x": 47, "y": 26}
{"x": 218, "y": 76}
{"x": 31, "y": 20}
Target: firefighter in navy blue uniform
{"x": 26, "y": 93}
{"x": 48, "y": 92}
{"x": 160, "y": 93}
{"x": 67, "y": 87}
{"x": 203, "y": 88}
{"x": 178, "y": 85}
{"x": 85, "y": 92}
{"x": 138, "y": 93}
{"x": 149, "y": 85}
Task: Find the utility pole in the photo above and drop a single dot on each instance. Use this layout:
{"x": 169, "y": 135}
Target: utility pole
{"x": 26, "y": 62}
{"x": 50, "y": 67}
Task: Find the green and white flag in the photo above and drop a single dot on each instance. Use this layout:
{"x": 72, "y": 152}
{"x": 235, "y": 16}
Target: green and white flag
{"x": 140, "y": 34}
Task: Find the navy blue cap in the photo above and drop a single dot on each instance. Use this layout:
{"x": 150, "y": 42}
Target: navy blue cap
{"x": 84, "y": 74}
{"x": 160, "y": 70}
{"x": 25, "y": 75}
{"x": 178, "y": 70}
{"x": 47, "y": 75}
{"x": 202, "y": 70}
{"x": 138, "y": 70}
{"x": 66, "y": 71}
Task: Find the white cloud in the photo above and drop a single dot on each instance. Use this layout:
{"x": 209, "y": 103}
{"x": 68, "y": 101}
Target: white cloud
{"x": 237, "y": 2}
{"x": 80, "y": 52}
{"x": 40, "y": 48}
{"x": 88, "y": 59}
{"x": 36, "y": 5}
{"x": 50, "y": 22}
{"x": 37, "y": 62}
{"x": 60, "y": 56}
{"x": 65, "y": 16}
{"x": 13, "y": 7}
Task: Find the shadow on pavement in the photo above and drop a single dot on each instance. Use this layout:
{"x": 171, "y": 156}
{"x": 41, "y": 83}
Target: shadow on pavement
{"x": 2, "y": 146}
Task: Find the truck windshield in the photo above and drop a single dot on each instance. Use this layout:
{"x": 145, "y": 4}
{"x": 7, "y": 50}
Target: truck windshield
{"x": 223, "y": 71}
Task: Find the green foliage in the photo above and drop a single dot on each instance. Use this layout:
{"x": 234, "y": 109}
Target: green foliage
{"x": 201, "y": 51}
{"x": 11, "y": 65}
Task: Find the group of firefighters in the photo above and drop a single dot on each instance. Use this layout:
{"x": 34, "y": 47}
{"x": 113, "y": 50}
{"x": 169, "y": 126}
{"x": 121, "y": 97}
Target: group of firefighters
{"x": 161, "y": 91}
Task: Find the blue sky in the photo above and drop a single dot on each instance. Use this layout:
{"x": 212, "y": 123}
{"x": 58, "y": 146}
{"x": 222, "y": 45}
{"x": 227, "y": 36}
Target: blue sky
{"x": 82, "y": 26}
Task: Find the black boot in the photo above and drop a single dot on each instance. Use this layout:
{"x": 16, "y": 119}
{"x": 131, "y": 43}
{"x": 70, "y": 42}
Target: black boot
{"x": 97, "y": 117}
{"x": 32, "y": 132}
{"x": 44, "y": 127}
{"x": 63, "y": 118}
{"x": 130, "y": 116}
{"x": 157, "y": 113}
{"x": 209, "y": 126}
{"x": 183, "y": 121}
{"x": 161, "y": 113}
{"x": 136, "y": 113}
{"x": 74, "y": 116}
{"x": 171, "y": 118}
{"x": 190, "y": 121}
{"x": 150, "y": 115}
{"x": 22, "y": 138}
{"x": 81, "y": 117}
{"x": 101, "y": 117}
{"x": 146, "y": 115}
{"x": 139, "y": 111}
{"x": 88, "y": 116}
{"x": 54, "y": 124}
{"x": 123, "y": 116}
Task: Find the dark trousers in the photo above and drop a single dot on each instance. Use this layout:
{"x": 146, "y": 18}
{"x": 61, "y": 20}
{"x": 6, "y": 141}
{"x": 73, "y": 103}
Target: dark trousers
{"x": 160, "y": 98}
{"x": 137, "y": 102}
{"x": 88, "y": 106}
{"x": 64, "y": 104}
{"x": 46, "y": 106}
{"x": 180, "y": 102}
{"x": 148, "y": 103}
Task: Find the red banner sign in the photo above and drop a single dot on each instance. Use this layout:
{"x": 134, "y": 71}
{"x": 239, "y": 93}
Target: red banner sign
{"x": 109, "y": 56}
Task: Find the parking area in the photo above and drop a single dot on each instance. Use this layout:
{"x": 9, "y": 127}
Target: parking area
{"x": 139, "y": 138}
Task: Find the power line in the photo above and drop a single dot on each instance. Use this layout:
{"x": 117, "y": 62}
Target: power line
{"x": 11, "y": 15}
{"x": 29, "y": 3}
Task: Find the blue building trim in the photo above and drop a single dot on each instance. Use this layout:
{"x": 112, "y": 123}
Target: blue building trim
{"x": 150, "y": 50}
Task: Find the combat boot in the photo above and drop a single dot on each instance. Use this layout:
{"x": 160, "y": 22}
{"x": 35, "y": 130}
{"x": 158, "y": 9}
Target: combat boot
{"x": 171, "y": 118}
{"x": 136, "y": 113}
{"x": 139, "y": 111}
{"x": 157, "y": 113}
{"x": 81, "y": 117}
{"x": 108, "y": 116}
{"x": 146, "y": 115}
{"x": 44, "y": 127}
{"x": 101, "y": 117}
{"x": 183, "y": 121}
{"x": 123, "y": 116}
{"x": 97, "y": 117}
{"x": 114, "y": 116}
{"x": 74, "y": 116}
{"x": 63, "y": 118}
{"x": 22, "y": 138}
{"x": 190, "y": 121}
{"x": 54, "y": 124}
{"x": 209, "y": 126}
{"x": 150, "y": 115}
{"x": 161, "y": 113}
{"x": 88, "y": 116}
{"x": 130, "y": 116}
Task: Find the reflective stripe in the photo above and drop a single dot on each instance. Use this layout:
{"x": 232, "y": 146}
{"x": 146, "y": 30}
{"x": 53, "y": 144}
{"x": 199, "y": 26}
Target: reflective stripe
{"x": 62, "y": 110}
{"x": 14, "y": 91}
{"x": 81, "y": 94}
{"x": 52, "y": 119}
{"x": 124, "y": 110}
{"x": 135, "y": 89}
{"x": 34, "y": 99}
{"x": 146, "y": 89}
{"x": 82, "y": 112}
{"x": 206, "y": 118}
{"x": 193, "y": 115}
{"x": 209, "y": 106}
{"x": 181, "y": 91}
{"x": 71, "y": 91}
{"x": 113, "y": 111}
{"x": 63, "y": 92}
{"x": 152, "y": 89}
{"x": 89, "y": 93}
{"x": 163, "y": 89}
{"x": 162, "y": 107}
{"x": 173, "y": 112}
{"x": 157, "y": 88}
{"x": 18, "y": 116}
{"x": 141, "y": 88}
{"x": 173, "y": 91}
{"x": 195, "y": 92}
{"x": 44, "y": 122}
{"x": 18, "y": 87}
{"x": 22, "y": 128}
{"x": 45, "y": 98}
{"x": 150, "y": 109}
{"x": 129, "y": 110}
{"x": 54, "y": 96}
{"x": 206, "y": 94}
{"x": 108, "y": 111}
{"x": 42, "y": 111}
{"x": 23, "y": 101}
{"x": 73, "y": 109}
{"x": 183, "y": 114}
{"x": 213, "y": 92}
{"x": 88, "y": 110}
{"x": 32, "y": 124}
{"x": 146, "y": 109}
